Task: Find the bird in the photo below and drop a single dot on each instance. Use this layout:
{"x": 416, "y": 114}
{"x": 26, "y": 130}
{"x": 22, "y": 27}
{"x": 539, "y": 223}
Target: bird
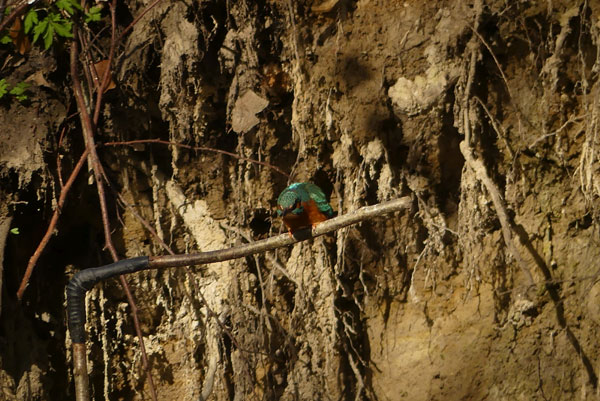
{"x": 302, "y": 205}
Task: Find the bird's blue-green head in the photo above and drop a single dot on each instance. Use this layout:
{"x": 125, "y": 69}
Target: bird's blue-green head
{"x": 289, "y": 202}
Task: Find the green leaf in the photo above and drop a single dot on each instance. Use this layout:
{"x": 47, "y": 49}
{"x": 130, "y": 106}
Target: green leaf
{"x": 14, "y": 230}
{"x": 5, "y": 39}
{"x": 68, "y": 5}
{"x": 48, "y": 36}
{"x": 21, "y": 98}
{"x": 93, "y": 14}
{"x": 65, "y": 5}
{"x": 63, "y": 28}
{"x": 31, "y": 19}
{"x": 39, "y": 29}
{"x": 54, "y": 17}
{"x": 18, "y": 91}
{"x": 3, "y": 87}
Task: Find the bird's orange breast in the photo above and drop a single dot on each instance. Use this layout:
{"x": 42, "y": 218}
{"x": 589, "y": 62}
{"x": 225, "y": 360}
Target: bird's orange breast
{"x": 315, "y": 216}
{"x": 310, "y": 217}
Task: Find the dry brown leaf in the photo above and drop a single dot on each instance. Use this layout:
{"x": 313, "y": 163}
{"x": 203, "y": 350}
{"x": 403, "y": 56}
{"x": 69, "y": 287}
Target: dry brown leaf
{"x": 100, "y": 68}
{"x": 38, "y": 79}
{"x": 20, "y": 40}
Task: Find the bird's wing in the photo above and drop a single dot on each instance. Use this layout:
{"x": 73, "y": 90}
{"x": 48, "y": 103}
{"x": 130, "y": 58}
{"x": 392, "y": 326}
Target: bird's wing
{"x": 320, "y": 199}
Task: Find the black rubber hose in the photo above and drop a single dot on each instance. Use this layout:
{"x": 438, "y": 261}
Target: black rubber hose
{"x": 84, "y": 280}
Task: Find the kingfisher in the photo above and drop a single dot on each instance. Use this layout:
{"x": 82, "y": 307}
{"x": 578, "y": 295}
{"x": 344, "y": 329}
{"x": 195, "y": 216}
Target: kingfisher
{"x": 303, "y": 205}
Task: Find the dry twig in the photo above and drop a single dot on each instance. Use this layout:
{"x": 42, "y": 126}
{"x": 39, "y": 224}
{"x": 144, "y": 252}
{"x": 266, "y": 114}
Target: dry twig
{"x": 42, "y": 245}
{"x": 201, "y": 148}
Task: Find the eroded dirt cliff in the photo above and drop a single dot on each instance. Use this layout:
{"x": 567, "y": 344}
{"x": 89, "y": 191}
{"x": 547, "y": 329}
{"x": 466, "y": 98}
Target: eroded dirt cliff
{"x": 485, "y": 113}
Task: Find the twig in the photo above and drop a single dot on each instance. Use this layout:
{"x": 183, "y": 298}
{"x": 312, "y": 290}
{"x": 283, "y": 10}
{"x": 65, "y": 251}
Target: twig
{"x": 136, "y": 19}
{"x": 58, "y": 162}
{"x": 19, "y": 9}
{"x": 487, "y": 46}
{"x": 106, "y": 76}
{"x": 202, "y": 148}
{"x": 557, "y": 131}
{"x": 89, "y": 71}
{"x": 85, "y": 279}
{"x": 42, "y": 245}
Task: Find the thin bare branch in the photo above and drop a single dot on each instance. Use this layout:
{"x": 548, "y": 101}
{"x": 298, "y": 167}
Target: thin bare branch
{"x": 19, "y": 9}
{"x": 104, "y": 81}
{"x": 58, "y": 162}
{"x": 136, "y": 19}
{"x": 200, "y": 148}
{"x": 42, "y": 245}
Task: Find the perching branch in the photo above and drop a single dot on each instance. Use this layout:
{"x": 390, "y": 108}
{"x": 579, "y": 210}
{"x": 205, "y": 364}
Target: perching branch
{"x": 84, "y": 280}
{"x": 363, "y": 214}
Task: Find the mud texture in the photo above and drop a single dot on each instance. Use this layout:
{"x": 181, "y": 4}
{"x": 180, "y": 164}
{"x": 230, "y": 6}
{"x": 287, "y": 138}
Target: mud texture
{"x": 485, "y": 112}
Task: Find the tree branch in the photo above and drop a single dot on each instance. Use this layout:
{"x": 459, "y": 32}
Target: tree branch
{"x": 40, "y": 248}
{"x": 136, "y": 20}
{"x": 19, "y": 9}
{"x": 201, "y": 148}
{"x": 363, "y": 214}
